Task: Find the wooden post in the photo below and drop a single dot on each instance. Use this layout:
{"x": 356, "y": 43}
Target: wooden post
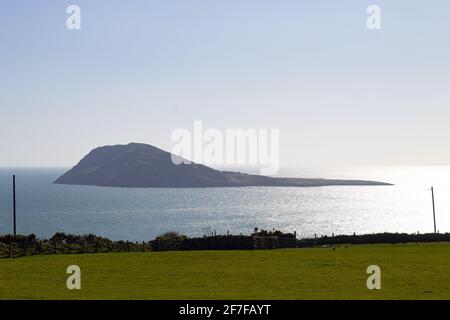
{"x": 295, "y": 239}
{"x": 434, "y": 210}
{"x": 14, "y": 205}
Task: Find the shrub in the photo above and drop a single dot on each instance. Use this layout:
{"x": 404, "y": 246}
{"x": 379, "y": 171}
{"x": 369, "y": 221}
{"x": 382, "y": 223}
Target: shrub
{"x": 171, "y": 236}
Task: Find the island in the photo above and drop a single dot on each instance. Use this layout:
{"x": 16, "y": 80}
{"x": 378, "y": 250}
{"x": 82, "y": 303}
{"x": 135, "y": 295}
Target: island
{"x": 143, "y": 165}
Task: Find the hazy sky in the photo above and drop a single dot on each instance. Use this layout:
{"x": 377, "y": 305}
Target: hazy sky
{"x": 137, "y": 70}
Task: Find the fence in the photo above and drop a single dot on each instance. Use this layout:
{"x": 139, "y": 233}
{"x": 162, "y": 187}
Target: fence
{"x": 376, "y": 238}
{"x": 24, "y": 248}
{"x": 222, "y": 242}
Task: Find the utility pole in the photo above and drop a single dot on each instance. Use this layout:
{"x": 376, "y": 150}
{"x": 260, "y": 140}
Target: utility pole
{"x": 14, "y": 204}
{"x": 434, "y": 210}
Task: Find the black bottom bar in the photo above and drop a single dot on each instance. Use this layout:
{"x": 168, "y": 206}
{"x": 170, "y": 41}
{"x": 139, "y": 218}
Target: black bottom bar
{"x": 232, "y": 309}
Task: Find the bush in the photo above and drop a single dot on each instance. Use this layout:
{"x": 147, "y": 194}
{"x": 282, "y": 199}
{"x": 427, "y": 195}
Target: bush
{"x": 171, "y": 236}
{"x": 272, "y": 233}
{"x": 9, "y": 238}
{"x": 61, "y": 237}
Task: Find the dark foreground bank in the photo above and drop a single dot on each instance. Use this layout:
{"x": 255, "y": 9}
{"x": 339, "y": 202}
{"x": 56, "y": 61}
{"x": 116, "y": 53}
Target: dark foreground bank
{"x": 61, "y": 243}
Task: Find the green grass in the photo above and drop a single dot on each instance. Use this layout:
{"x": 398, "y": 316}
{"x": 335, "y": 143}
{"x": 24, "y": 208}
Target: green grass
{"x": 415, "y": 271}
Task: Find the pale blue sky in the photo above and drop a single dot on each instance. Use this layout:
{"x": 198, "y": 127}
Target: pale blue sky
{"x": 137, "y": 70}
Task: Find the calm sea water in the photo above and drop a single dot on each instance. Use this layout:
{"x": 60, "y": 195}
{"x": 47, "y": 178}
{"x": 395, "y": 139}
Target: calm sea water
{"x": 44, "y": 208}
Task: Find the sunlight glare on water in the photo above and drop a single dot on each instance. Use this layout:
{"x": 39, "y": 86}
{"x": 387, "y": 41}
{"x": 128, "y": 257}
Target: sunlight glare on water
{"x": 140, "y": 214}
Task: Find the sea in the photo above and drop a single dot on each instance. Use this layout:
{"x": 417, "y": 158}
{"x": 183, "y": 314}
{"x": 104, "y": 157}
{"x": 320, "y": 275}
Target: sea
{"x": 140, "y": 214}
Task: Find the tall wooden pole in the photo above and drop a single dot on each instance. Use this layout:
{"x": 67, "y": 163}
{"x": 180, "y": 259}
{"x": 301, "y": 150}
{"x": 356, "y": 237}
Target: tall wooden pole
{"x": 434, "y": 210}
{"x": 14, "y": 204}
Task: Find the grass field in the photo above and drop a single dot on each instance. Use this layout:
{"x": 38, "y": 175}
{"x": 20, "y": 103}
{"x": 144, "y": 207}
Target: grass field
{"x": 413, "y": 271}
